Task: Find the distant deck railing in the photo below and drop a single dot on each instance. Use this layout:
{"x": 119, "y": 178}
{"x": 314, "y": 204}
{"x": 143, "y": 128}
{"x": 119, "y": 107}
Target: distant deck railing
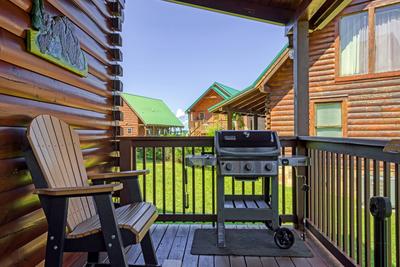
{"x": 343, "y": 175}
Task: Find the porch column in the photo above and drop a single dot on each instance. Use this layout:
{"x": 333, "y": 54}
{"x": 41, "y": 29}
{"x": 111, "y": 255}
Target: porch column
{"x": 255, "y": 122}
{"x": 301, "y": 108}
{"x": 229, "y": 119}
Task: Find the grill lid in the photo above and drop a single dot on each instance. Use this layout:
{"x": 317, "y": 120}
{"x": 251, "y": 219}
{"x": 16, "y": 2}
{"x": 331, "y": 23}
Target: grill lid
{"x": 247, "y": 143}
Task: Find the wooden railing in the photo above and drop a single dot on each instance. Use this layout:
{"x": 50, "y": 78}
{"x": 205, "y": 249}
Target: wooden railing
{"x": 194, "y": 198}
{"x": 343, "y": 175}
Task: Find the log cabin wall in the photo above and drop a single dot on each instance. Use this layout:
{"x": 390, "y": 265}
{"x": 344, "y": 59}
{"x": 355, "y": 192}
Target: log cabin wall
{"x": 30, "y": 86}
{"x": 370, "y": 104}
{"x": 132, "y": 121}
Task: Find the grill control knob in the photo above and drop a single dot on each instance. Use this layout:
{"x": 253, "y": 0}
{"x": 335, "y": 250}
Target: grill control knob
{"x": 268, "y": 166}
{"x": 228, "y": 166}
{"x": 248, "y": 167}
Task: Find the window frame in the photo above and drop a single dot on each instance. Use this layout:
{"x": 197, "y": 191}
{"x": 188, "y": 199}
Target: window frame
{"x": 370, "y": 8}
{"x": 204, "y": 116}
{"x": 316, "y": 101}
{"x": 129, "y": 130}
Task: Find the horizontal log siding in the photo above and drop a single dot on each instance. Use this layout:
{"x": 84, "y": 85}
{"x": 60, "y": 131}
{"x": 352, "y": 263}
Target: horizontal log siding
{"x": 373, "y": 105}
{"x": 281, "y": 103}
{"x": 30, "y": 86}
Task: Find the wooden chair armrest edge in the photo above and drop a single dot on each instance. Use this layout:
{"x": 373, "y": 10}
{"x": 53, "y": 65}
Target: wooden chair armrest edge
{"x": 79, "y": 191}
{"x": 118, "y": 175}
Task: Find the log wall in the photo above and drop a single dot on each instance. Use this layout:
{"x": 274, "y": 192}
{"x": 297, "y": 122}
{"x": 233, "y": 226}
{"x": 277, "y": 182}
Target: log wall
{"x": 371, "y": 105}
{"x": 30, "y": 86}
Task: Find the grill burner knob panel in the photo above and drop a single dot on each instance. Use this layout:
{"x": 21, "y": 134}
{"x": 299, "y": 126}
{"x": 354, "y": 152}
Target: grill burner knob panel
{"x": 248, "y": 167}
{"x": 228, "y": 166}
{"x": 268, "y": 166}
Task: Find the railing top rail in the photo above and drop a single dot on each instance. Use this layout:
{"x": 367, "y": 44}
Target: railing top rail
{"x": 349, "y": 141}
{"x": 186, "y": 141}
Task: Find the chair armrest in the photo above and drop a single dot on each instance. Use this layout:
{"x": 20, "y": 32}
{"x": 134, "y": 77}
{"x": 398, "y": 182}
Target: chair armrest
{"x": 79, "y": 191}
{"x": 117, "y": 175}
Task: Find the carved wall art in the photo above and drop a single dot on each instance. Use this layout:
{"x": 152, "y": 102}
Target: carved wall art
{"x": 53, "y": 39}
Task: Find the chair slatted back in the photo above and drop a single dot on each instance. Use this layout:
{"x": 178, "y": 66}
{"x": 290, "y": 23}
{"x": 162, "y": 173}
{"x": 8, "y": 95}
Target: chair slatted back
{"x": 57, "y": 150}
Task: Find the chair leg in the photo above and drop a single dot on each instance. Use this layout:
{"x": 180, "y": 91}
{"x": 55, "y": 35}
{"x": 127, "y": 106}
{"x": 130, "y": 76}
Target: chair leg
{"x": 149, "y": 253}
{"x": 57, "y": 218}
{"x": 111, "y": 233}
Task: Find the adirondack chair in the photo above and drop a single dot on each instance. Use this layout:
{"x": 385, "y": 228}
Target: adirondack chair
{"x": 69, "y": 202}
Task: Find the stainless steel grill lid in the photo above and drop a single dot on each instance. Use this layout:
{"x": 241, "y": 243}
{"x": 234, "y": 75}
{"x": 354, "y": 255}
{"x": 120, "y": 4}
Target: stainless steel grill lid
{"x": 245, "y": 144}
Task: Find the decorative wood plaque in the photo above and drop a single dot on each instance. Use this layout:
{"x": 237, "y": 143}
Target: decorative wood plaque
{"x": 53, "y": 39}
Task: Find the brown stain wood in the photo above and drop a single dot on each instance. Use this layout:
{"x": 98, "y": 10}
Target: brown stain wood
{"x": 31, "y": 86}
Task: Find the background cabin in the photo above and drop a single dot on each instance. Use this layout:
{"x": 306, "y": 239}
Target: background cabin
{"x": 145, "y": 116}
{"x": 353, "y": 89}
{"x": 202, "y": 122}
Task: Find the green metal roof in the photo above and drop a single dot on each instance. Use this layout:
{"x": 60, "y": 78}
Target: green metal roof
{"x": 254, "y": 84}
{"x": 221, "y": 89}
{"x": 152, "y": 111}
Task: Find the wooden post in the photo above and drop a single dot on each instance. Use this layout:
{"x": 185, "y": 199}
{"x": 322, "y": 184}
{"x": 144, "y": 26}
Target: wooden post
{"x": 230, "y": 118}
{"x": 301, "y": 108}
{"x": 255, "y": 122}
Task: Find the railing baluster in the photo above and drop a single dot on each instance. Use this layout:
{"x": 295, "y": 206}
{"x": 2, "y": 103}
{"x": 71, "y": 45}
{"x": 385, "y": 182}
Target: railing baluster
{"x": 358, "y": 209}
{"x": 311, "y": 184}
{"x": 386, "y": 193}
{"x": 320, "y": 189}
{"x": 333, "y": 202}
{"x": 367, "y": 224}
{"x": 173, "y": 181}
{"x": 163, "y": 178}
{"x": 339, "y": 197}
{"x": 154, "y": 177}
{"x": 294, "y": 186}
{"x": 203, "y": 177}
{"x": 193, "y": 185}
{"x": 213, "y": 185}
{"x": 324, "y": 198}
{"x": 184, "y": 180}
{"x": 376, "y": 172}
{"x": 144, "y": 176}
{"x": 345, "y": 204}
{"x": 283, "y": 185}
{"x": 328, "y": 230}
{"x": 397, "y": 206}
{"x": 351, "y": 202}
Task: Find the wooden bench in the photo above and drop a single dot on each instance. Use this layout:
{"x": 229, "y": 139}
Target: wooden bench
{"x": 82, "y": 217}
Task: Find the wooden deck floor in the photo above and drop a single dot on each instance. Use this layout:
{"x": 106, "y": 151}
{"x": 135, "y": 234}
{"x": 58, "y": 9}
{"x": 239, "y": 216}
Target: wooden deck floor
{"x": 173, "y": 243}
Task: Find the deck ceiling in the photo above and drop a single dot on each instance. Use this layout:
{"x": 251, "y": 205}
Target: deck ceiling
{"x": 281, "y": 12}
{"x": 251, "y": 103}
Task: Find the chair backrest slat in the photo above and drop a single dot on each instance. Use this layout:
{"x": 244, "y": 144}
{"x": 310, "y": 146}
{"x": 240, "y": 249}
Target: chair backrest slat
{"x": 57, "y": 150}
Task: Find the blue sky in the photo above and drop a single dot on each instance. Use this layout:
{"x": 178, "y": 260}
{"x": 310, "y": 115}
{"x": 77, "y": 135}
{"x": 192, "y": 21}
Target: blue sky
{"x": 176, "y": 52}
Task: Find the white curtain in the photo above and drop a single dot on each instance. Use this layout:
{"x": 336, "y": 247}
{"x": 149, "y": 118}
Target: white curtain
{"x": 387, "y": 38}
{"x": 354, "y": 44}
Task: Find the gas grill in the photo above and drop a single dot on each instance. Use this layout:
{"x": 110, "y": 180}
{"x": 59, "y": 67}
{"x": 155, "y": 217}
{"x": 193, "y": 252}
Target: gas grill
{"x": 249, "y": 156}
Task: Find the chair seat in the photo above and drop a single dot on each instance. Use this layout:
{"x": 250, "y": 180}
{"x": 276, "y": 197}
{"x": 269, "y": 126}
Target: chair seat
{"x": 136, "y": 218}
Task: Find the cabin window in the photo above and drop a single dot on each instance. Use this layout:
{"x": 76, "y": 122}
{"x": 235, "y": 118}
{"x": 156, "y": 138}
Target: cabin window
{"x": 387, "y": 38}
{"x": 202, "y": 116}
{"x": 328, "y": 119}
{"x": 129, "y": 130}
{"x": 354, "y": 44}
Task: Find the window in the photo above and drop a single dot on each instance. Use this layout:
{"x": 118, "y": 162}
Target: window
{"x": 369, "y": 43}
{"x": 129, "y": 130}
{"x": 328, "y": 119}
{"x": 201, "y": 116}
{"x": 354, "y": 44}
{"x": 387, "y": 38}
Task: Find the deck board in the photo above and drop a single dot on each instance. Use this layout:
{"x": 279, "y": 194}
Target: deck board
{"x": 173, "y": 242}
